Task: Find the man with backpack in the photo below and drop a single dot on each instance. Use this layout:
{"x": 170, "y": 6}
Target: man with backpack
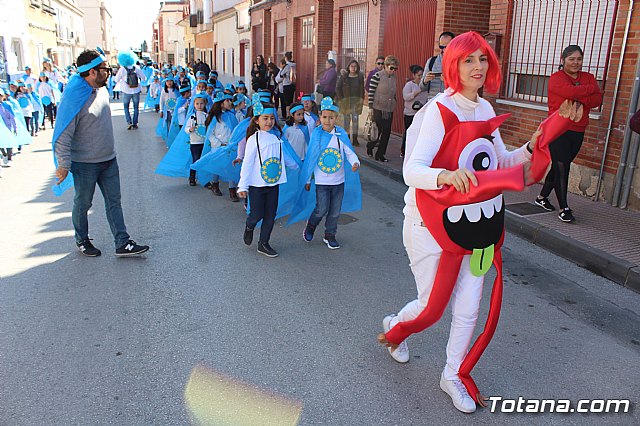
{"x": 432, "y": 81}
{"x": 130, "y": 77}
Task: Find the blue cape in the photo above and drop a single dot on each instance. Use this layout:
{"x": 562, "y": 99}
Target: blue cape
{"x": 177, "y": 162}
{"x": 75, "y": 96}
{"x": 37, "y": 106}
{"x": 56, "y": 93}
{"x": 305, "y": 201}
{"x": 150, "y": 102}
{"x": 8, "y": 139}
{"x": 174, "y": 127}
{"x": 22, "y": 134}
{"x": 218, "y": 162}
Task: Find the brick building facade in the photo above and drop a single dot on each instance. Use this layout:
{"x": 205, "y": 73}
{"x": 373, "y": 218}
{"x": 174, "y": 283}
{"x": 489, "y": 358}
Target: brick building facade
{"x": 528, "y": 35}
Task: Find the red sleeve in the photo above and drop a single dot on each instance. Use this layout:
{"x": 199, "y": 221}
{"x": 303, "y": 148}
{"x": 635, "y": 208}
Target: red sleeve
{"x": 560, "y": 86}
{"x": 595, "y": 99}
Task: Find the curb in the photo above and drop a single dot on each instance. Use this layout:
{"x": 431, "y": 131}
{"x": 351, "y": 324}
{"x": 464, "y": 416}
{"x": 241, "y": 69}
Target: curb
{"x": 595, "y": 260}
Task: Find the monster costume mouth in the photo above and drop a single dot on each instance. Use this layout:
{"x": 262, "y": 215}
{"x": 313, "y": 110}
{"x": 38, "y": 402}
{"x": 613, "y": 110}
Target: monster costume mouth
{"x": 476, "y": 227}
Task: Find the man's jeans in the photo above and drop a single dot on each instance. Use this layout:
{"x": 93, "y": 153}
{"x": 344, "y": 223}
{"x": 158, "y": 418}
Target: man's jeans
{"x": 126, "y": 98}
{"x": 107, "y": 176}
{"x": 329, "y": 203}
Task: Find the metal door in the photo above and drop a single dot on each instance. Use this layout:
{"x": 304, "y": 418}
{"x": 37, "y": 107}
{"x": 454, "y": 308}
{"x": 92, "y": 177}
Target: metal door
{"x": 303, "y": 54}
{"x": 409, "y": 35}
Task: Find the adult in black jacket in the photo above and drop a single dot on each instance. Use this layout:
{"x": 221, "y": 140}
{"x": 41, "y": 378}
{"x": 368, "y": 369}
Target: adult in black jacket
{"x": 350, "y": 98}
{"x": 259, "y": 74}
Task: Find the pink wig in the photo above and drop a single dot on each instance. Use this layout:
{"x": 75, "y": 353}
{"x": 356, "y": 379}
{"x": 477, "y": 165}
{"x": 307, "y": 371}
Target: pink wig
{"x": 461, "y": 47}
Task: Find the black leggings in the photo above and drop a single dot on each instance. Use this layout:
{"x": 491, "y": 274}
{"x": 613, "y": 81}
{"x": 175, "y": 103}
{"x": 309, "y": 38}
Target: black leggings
{"x": 263, "y": 205}
{"x": 196, "y": 153}
{"x": 408, "y": 119}
{"x": 50, "y": 111}
{"x": 563, "y": 151}
{"x": 383, "y": 120}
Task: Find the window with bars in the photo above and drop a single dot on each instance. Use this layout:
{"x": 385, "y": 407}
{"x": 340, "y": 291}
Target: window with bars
{"x": 353, "y": 44}
{"x": 543, "y": 28}
{"x": 307, "y": 33}
{"x": 280, "y": 38}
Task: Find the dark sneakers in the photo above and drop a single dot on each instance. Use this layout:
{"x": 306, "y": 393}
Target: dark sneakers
{"x": 130, "y": 126}
{"x": 135, "y": 126}
{"x": 248, "y": 235}
{"x": 544, "y": 203}
{"x": 88, "y": 249}
{"x": 307, "y": 234}
{"x": 566, "y": 215}
{"x": 131, "y": 249}
{"x": 265, "y": 248}
{"x": 330, "y": 241}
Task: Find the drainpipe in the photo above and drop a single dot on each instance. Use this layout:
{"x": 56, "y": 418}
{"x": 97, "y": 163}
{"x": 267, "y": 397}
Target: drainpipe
{"x": 615, "y": 98}
{"x": 624, "y": 153}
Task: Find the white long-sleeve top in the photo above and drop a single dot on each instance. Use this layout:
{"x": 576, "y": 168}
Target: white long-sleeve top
{"x": 220, "y": 135}
{"x": 121, "y": 77}
{"x": 421, "y": 150}
{"x": 297, "y": 140}
{"x": 164, "y": 97}
{"x": 182, "y": 113}
{"x": 270, "y": 146}
{"x": 155, "y": 89}
{"x": 198, "y": 117}
{"x": 46, "y": 90}
{"x": 336, "y": 178}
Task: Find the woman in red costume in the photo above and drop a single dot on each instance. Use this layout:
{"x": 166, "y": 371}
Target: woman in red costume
{"x": 573, "y": 84}
{"x": 456, "y": 167}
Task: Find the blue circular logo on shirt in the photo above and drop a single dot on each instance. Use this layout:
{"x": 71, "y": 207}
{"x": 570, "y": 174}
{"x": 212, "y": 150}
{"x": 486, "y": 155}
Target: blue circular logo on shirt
{"x": 24, "y": 102}
{"x": 46, "y": 100}
{"x": 171, "y": 103}
{"x": 201, "y": 130}
{"x": 271, "y": 170}
{"x": 330, "y": 161}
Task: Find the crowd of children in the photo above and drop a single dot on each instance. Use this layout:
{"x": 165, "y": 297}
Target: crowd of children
{"x": 305, "y": 170}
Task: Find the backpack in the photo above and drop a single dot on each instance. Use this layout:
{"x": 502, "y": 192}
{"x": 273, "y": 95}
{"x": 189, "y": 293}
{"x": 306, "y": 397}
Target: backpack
{"x": 132, "y": 78}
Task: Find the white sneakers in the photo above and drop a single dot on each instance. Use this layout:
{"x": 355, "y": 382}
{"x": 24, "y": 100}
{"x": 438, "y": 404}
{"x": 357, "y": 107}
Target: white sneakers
{"x": 401, "y": 353}
{"x": 458, "y": 393}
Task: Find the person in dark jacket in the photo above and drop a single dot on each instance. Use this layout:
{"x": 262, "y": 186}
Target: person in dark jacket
{"x": 327, "y": 82}
{"x": 350, "y": 98}
{"x": 259, "y": 74}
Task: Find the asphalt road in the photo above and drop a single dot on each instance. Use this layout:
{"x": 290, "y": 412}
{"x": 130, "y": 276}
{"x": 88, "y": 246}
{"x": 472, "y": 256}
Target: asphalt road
{"x": 203, "y": 323}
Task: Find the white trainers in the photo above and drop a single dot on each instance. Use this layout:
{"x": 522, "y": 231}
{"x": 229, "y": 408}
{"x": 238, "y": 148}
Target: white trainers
{"x": 401, "y": 353}
{"x": 459, "y": 395}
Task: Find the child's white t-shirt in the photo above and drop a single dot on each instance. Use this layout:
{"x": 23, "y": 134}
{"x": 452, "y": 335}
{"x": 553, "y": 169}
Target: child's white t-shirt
{"x": 336, "y": 177}
{"x": 197, "y": 119}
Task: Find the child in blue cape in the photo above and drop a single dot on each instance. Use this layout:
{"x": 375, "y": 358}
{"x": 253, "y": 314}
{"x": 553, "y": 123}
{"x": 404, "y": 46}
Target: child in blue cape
{"x": 38, "y": 109}
{"x": 153, "y": 94}
{"x": 239, "y": 105}
{"x": 179, "y": 114}
{"x": 167, "y": 102}
{"x": 296, "y": 130}
{"x": 8, "y": 130}
{"x": 310, "y": 112}
{"x": 263, "y": 171}
{"x": 220, "y": 124}
{"x": 337, "y": 185}
{"x": 22, "y": 96}
{"x": 49, "y": 97}
{"x": 196, "y": 127}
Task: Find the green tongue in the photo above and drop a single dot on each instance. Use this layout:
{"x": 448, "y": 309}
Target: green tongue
{"x": 481, "y": 260}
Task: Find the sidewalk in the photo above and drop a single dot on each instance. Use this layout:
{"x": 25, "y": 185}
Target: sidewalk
{"x": 604, "y": 239}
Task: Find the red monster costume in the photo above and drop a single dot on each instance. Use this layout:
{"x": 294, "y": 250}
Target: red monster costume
{"x": 480, "y": 231}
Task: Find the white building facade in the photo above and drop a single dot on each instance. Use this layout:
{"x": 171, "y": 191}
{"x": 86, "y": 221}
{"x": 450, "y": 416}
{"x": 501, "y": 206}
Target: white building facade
{"x": 70, "y": 31}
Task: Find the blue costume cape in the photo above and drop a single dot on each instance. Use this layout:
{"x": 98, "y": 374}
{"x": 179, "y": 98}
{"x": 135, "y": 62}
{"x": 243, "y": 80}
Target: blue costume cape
{"x": 174, "y": 127}
{"x": 177, "y": 162}
{"x": 218, "y": 162}
{"x": 76, "y": 95}
{"x": 37, "y": 105}
{"x": 150, "y": 102}
{"x": 8, "y": 139}
{"x": 305, "y": 201}
{"x": 304, "y": 129}
{"x": 163, "y": 124}
{"x": 22, "y": 134}
{"x": 148, "y": 72}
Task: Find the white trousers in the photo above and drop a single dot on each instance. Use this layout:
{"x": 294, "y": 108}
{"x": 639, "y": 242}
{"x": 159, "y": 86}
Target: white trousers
{"x": 424, "y": 256}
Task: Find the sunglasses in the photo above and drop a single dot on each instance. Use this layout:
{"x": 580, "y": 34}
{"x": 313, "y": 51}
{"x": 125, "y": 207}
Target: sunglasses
{"x": 103, "y": 68}
{"x": 379, "y": 63}
{"x": 393, "y": 68}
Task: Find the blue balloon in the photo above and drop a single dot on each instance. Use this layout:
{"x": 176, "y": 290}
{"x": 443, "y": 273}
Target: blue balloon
{"x": 46, "y": 100}
{"x": 24, "y": 102}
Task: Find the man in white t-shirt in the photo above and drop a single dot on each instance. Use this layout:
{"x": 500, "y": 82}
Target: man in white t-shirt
{"x": 130, "y": 79}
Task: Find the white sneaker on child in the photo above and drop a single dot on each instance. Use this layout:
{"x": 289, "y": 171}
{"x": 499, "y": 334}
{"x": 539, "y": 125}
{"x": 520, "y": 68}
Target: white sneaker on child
{"x": 401, "y": 353}
{"x": 458, "y": 393}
